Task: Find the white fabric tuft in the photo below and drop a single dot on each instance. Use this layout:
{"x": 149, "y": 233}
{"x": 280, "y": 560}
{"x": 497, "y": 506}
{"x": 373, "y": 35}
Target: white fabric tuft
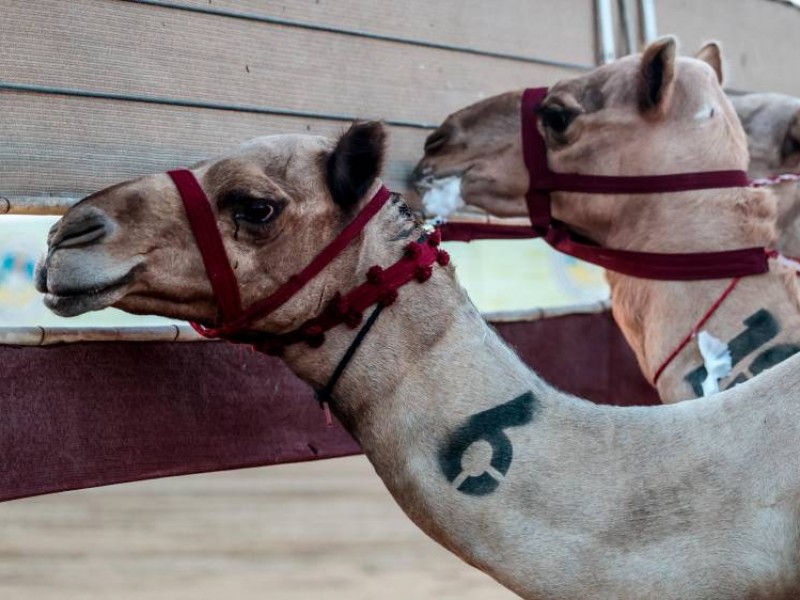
{"x": 443, "y": 197}
{"x": 717, "y": 360}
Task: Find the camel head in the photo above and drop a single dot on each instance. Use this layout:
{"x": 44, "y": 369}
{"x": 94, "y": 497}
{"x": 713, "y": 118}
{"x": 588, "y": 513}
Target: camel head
{"x": 772, "y": 123}
{"x": 645, "y": 114}
{"x": 277, "y": 201}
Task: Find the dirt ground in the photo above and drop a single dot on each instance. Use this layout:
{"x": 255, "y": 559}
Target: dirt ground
{"x": 325, "y": 530}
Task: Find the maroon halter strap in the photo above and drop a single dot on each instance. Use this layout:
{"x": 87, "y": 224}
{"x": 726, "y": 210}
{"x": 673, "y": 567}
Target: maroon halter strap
{"x": 206, "y": 234}
{"x": 381, "y": 286}
{"x": 648, "y": 265}
{"x": 296, "y": 282}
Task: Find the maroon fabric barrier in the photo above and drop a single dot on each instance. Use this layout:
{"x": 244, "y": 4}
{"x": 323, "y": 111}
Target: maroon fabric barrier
{"x": 91, "y": 414}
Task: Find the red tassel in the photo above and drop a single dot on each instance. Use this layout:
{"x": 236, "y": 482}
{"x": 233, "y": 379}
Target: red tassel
{"x": 413, "y": 250}
{"x": 435, "y": 238}
{"x": 375, "y": 275}
{"x": 314, "y": 336}
{"x": 387, "y": 297}
{"x": 316, "y": 341}
{"x": 423, "y": 273}
{"x": 353, "y": 318}
{"x": 443, "y": 258}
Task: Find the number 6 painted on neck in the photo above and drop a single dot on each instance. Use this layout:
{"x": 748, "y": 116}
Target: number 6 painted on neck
{"x": 487, "y": 426}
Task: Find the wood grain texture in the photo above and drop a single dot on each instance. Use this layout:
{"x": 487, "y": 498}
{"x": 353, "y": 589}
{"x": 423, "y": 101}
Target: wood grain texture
{"x": 69, "y": 146}
{"x": 125, "y": 47}
{"x": 295, "y": 532}
{"x": 560, "y": 31}
{"x": 758, "y": 38}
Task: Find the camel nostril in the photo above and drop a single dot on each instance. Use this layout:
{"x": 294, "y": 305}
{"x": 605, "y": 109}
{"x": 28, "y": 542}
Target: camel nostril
{"x": 80, "y": 233}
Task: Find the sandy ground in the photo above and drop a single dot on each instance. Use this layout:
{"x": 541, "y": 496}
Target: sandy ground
{"x": 325, "y": 530}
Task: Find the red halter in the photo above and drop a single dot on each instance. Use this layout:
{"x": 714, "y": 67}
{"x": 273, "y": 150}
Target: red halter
{"x": 381, "y": 286}
{"x": 648, "y": 265}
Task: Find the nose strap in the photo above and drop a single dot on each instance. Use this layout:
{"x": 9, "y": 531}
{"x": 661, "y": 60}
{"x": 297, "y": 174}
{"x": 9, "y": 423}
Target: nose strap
{"x": 543, "y": 180}
{"x": 209, "y": 241}
{"x": 534, "y": 152}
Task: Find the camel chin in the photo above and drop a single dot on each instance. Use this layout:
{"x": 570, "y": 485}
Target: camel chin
{"x": 72, "y": 305}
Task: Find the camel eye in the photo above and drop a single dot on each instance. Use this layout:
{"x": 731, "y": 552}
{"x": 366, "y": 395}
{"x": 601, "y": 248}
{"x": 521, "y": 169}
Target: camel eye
{"x": 556, "y": 118}
{"x": 256, "y": 212}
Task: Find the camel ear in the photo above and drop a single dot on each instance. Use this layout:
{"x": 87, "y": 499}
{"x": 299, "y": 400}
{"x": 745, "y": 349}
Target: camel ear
{"x": 355, "y": 162}
{"x": 711, "y": 54}
{"x": 657, "y": 75}
{"x": 790, "y": 150}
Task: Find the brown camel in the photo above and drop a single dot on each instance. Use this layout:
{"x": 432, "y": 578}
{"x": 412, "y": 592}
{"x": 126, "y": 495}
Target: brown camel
{"x": 553, "y": 496}
{"x": 643, "y": 115}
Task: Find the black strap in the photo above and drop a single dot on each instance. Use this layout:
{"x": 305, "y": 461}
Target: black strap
{"x": 326, "y": 393}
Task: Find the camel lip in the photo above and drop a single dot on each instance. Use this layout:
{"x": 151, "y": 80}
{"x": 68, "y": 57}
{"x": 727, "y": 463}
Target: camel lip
{"x": 70, "y": 303}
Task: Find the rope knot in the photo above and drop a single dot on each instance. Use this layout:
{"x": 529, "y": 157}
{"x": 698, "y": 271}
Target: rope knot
{"x": 314, "y": 335}
{"x": 375, "y": 275}
{"x": 387, "y": 296}
{"x": 435, "y": 238}
{"x": 443, "y": 258}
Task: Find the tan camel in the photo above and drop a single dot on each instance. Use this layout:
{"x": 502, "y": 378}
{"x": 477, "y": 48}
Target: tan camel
{"x": 645, "y": 114}
{"x": 553, "y": 496}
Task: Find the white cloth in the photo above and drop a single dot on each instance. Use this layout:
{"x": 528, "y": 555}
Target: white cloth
{"x": 717, "y": 360}
{"x": 443, "y": 197}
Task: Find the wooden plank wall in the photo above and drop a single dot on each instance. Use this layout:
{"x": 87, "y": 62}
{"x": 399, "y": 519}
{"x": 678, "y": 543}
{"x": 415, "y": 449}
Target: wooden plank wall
{"x": 287, "y": 66}
{"x": 758, "y": 38}
{"x": 95, "y": 91}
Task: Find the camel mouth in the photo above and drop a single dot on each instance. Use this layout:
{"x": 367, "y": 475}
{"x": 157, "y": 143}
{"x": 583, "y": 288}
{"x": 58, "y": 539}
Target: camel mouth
{"x": 71, "y": 303}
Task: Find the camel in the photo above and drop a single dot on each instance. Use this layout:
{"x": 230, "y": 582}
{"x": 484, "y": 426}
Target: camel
{"x": 604, "y": 124}
{"x": 553, "y": 496}
{"x": 772, "y": 124}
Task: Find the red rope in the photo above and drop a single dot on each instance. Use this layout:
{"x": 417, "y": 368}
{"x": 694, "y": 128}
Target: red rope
{"x": 694, "y": 331}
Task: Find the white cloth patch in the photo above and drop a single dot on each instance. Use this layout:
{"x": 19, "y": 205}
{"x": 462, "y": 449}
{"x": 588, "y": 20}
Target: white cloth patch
{"x": 716, "y": 359}
{"x": 443, "y": 197}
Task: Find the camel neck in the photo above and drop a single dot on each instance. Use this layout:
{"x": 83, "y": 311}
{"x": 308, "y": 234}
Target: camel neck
{"x": 413, "y": 345}
{"x": 481, "y": 453}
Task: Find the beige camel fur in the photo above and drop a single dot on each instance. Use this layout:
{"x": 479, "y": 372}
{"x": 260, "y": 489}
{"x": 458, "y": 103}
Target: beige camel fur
{"x": 642, "y": 115}
{"x": 579, "y": 501}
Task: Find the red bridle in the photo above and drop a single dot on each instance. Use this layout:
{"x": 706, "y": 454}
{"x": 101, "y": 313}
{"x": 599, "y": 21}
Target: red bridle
{"x": 647, "y": 265}
{"x": 381, "y": 286}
